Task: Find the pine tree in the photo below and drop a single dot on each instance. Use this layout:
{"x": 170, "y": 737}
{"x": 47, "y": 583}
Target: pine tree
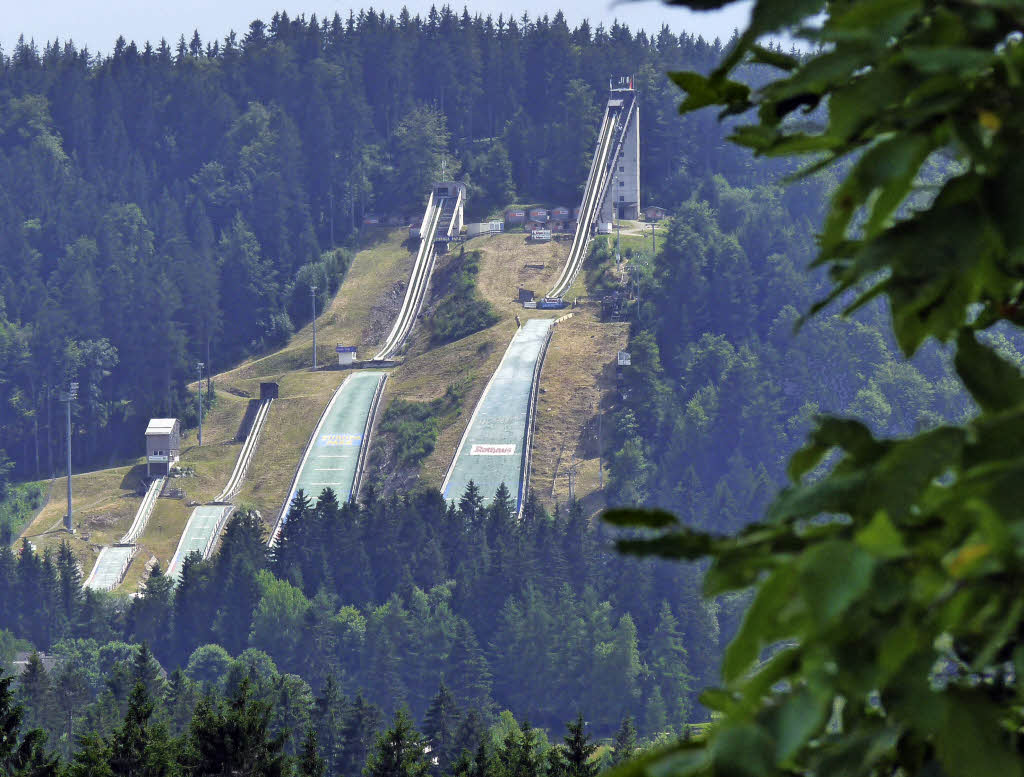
{"x": 146, "y": 670}
{"x": 439, "y": 728}
{"x": 361, "y": 726}
{"x": 180, "y": 700}
{"x": 625, "y": 741}
{"x": 21, "y": 756}
{"x": 468, "y": 670}
{"x": 579, "y": 751}
{"x": 140, "y": 746}
{"x": 329, "y": 721}
{"x": 310, "y": 762}
{"x": 236, "y": 740}
{"x": 398, "y": 751}
{"x": 35, "y": 693}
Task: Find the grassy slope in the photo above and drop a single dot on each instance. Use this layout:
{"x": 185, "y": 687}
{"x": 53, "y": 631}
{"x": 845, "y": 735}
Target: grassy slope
{"x": 105, "y": 501}
{"x": 576, "y": 377}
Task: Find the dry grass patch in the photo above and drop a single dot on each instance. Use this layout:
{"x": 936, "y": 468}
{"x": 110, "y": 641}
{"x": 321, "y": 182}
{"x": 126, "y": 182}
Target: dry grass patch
{"x": 504, "y": 269}
{"x": 103, "y": 503}
{"x": 374, "y": 270}
{"x": 470, "y": 360}
{"x": 576, "y": 385}
{"x": 291, "y": 421}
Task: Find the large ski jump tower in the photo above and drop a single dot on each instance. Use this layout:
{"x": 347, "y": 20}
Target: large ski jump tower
{"x": 622, "y": 198}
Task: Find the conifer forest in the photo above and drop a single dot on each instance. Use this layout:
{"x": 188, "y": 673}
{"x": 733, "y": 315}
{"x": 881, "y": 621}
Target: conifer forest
{"x": 798, "y": 554}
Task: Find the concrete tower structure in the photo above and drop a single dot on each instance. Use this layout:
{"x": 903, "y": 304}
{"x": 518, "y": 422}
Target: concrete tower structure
{"x": 622, "y": 198}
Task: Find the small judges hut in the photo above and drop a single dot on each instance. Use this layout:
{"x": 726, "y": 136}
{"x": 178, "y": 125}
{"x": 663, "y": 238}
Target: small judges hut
{"x": 163, "y": 445}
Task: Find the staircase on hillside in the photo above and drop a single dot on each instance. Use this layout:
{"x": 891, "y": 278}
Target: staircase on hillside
{"x": 447, "y": 205}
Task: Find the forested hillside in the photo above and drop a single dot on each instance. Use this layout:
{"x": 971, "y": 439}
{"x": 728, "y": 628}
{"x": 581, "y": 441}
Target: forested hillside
{"x": 723, "y": 385}
{"x": 171, "y": 203}
{"x": 393, "y": 599}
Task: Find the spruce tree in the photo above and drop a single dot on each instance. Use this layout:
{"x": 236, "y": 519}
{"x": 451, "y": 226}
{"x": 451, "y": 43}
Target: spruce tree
{"x": 139, "y": 746}
{"x": 35, "y": 693}
{"x": 667, "y": 662}
{"x": 329, "y": 721}
{"x": 468, "y": 669}
{"x": 310, "y": 762}
{"x": 625, "y": 741}
{"x": 360, "y": 731}
{"x": 180, "y": 700}
{"x": 398, "y": 751}
{"x": 236, "y": 739}
{"x": 70, "y": 583}
{"x": 21, "y": 755}
{"x": 440, "y": 726}
{"x": 150, "y": 615}
{"x": 517, "y": 755}
{"x": 579, "y": 750}
{"x": 471, "y": 504}
{"x": 146, "y": 670}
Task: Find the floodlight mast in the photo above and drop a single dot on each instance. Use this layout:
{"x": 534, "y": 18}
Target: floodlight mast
{"x": 199, "y": 399}
{"x": 68, "y": 398}
{"x": 312, "y": 294}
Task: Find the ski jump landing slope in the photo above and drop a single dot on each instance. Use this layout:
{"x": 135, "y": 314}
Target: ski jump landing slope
{"x": 495, "y": 447}
{"x": 333, "y": 456}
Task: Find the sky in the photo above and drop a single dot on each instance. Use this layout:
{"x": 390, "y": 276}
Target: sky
{"x": 97, "y": 23}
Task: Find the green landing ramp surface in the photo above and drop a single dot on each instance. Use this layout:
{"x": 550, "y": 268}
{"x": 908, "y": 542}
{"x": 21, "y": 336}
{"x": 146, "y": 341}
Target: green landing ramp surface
{"x": 493, "y": 450}
{"x": 200, "y": 532}
{"x": 333, "y": 453}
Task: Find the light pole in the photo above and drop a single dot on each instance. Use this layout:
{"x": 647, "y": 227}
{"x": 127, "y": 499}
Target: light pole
{"x": 199, "y": 399}
{"x": 68, "y": 398}
{"x": 312, "y": 294}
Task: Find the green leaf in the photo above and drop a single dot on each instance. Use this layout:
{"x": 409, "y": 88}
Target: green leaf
{"x": 649, "y": 519}
{"x": 764, "y": 56}
{"x": 764, "y": 623}
{"x": 971, "y": 740}
{"x": 743, "y": 751}
{"x": 995, "y": 383}
{"x": 881, "y": 538}
{"x": 802, "y": 715}
{"x": 833, "y": 576}
{"x": 684, "y": 544}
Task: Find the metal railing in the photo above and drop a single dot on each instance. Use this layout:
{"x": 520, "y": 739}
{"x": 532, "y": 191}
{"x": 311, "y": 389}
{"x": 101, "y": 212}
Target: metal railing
{"x": 416, "y": 290}
{"x": 234, "y": 483}
{"x": 144, "y": 512}
{"x": 593, "y": 194}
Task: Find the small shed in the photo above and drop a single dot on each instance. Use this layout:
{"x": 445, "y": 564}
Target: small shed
{"x": 346, "y": 354}
{"x": 560, "y": 214}
{"x": 532, "y": 224}
{"x": 163, "y": 445}
{"x": 515, "y": 216}
{"x": 654, "y": 213}
{"x": 539, "y": 214}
